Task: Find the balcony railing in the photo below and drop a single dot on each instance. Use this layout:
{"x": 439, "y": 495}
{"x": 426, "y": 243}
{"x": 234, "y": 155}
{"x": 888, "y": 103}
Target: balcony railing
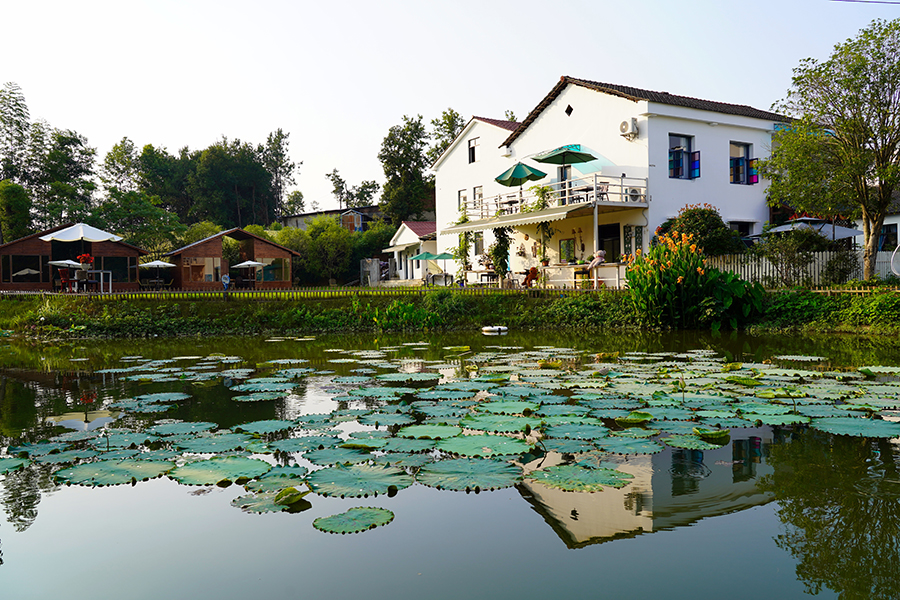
{"x": 605, "y": 191}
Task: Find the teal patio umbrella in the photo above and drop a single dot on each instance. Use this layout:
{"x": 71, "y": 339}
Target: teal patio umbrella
{"x": 518, "y": 174}
{"x": 565, "y": 155}
{"x": 423, "y": 256}
{"x": 444, "y": 256}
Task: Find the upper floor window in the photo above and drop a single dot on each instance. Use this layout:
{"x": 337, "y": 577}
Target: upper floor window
{"x": 461, "y": 199}
{"x": 684, "y": 161}
{"x": 474, "y": 154}
{"x": 477, "y": 195}
{"x": 741, "y": 167}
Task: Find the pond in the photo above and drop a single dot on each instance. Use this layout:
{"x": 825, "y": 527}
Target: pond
{"x": 518, "y": 466}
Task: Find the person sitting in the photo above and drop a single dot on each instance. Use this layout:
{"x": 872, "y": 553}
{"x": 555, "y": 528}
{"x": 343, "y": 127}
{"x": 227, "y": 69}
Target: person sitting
{"x": 531, "y": 277}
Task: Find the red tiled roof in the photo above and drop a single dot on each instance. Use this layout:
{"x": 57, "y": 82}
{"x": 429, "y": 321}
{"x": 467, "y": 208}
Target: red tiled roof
{"x": 637, "y": 94}
{"x": 421, "y": 228}
{"x": 508, "y": 125}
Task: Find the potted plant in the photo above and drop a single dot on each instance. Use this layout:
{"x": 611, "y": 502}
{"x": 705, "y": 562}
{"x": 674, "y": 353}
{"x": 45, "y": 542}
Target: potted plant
{"x": 86, "y": 260}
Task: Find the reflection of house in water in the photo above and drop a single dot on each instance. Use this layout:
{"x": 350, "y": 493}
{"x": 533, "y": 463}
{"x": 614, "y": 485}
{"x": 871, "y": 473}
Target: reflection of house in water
{"x": 671, "y": 489}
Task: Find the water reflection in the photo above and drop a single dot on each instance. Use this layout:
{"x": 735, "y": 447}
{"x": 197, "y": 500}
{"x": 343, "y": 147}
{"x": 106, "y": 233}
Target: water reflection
{"x": 839, "y": 499}
{"x": 674, "y": 488}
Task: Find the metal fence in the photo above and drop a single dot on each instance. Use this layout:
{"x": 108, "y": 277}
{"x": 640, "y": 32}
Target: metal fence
{"x": 823, "y": 268}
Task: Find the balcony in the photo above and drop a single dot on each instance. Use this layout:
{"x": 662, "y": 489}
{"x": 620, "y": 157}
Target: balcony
{"x": 608, "y": 193}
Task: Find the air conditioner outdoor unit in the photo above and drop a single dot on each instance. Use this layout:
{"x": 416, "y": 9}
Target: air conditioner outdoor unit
{"x": 628, "y": 128}
{"x": 635, "y": 195}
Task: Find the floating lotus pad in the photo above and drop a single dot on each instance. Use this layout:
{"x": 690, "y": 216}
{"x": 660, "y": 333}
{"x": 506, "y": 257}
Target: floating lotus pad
{"x": 577, "y": 431}
{"x": 266, "y": 426}
{"x": 499, "y": 423}
{"x": 507, "y": 407}
{"x": 212, "y": 443}
{"x": 166, "y": 429}
{"x": 357, "y": 481}
{"x": 8, "y": 464}
{"x": 572, "y": 478}
{"x": 400, "y": 444}
{"x": 39, "y": 449}
{"x": 381, "y": 392}
{"x": 689, "y": 442}
{"x": 338, "y": 455}
{"x": 164, "y": 397}
{"x": 624, "y": 445}
{"x": 219, "y": 469}
{"x": 386, "y": 419}
{"x": 263, "y": 387}
{"x": 566, "y": 446}
{"x": 433, "y": 432}
{"x": 858, "y": 427}
{"x": 113, "y": 472}
{"x": 260, "y": 396}
{"x": 354, "y": 520}
{"x": 483, "y": 445}
{"x": 306, "y": 443}
{"x": 67, "y": 456}
{"x": 464, "y": 474}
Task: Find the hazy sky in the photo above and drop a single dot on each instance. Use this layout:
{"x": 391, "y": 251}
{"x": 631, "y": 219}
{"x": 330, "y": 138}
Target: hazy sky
{"x": 337, "y": 75}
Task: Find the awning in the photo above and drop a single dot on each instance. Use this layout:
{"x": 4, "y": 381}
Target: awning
{"x": 401, "y": 247}
{"x": 515, "y": 220}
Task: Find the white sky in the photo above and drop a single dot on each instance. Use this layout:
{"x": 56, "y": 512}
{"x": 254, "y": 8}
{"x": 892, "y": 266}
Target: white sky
{"x": 337, "y": 75}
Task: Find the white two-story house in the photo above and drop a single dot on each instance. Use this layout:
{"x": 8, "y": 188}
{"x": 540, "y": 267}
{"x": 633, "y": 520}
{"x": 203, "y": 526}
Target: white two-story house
{"x": 636, "y": 158}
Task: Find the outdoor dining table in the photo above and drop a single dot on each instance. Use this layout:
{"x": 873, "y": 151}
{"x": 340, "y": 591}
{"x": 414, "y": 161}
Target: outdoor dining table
{"x": 102, "y": 275}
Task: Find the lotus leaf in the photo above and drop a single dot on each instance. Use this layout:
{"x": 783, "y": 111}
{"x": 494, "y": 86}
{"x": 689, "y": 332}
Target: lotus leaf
{"x": 338, "y": 455}
{"x": 635, "y": 418}
{"x": 785, "y": 419}
{"x": 624, "y": 445}
{"x": 673, "y": 426}
{"x": 355, "y": 481}
{"x": 39, "y": 449}
{"x": 498, "y": 423}
{"x": 386, "y": 419}
{"x": 263, "y": 387}
{"x": 445, "y": 395}
{"x": 635, "y": 433}
{"x": 756, "y": 408}
{"x": 352, "y": 379}
{"x": 381, "y": 392}
{"x": 277, "y": 479}
{"x": 267, "y": 426}
{"x": 468, "y": 386}
{"x": 671, "y": 414}
{"x": 263, "y": 501}
{"x": 180, "y": 428}
{"x": 163, "y": 397}
{"x": 9, "y": 464}
{"x": 882, "y": 370}
{"x": 354, "y": 520}
{"x": 571, "y": 478}
{"x": 295, "y": 373}
{"x": 67, "y": 456}
{"x": 306, "y": 443}
{"x": 689, "y": 442}
{"x": 576, "y": 431}
{"x": 800, "y": 358}
{"x": 483, "y": 445}
{"x": 464, "y": 474}
{"x": 216, "y": 442}
{"x": 406, "y": 377}
{"x": 260, "y": 396}
{"x": 517, "y": 390}
{"x": 218, "y": 469}
{"x": 400, "y": 444}
{"x": 404, "y": 459}
{"x": 75, "y": 436}
{"x": 316, "y": 421}
{"x": 122, "y": 439}
{"x": 859, "y": 427}
{"x": 440, "y": 411}
{"x": 433, "y": 432}
{"x": 364, "y": 444}
{"x": 566, "y": 446}
{"x": 141, "y": 407}
{"x": 113, "y": 472}
{"x": 555, "y": 410}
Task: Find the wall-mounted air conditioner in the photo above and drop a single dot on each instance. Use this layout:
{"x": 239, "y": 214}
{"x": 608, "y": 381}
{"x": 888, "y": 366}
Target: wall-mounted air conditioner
{"x": 628, "y": 128}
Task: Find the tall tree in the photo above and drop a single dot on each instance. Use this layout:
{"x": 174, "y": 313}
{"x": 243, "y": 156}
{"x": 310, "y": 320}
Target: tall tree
{"x": 352, "y": 197}
{"x": 121, "y": 167}
{"x": 275, "y": 159}
{"x": 844, "y": 148}
{"x": 294, "y": 204}
{"x": 66, "y": 180}
{"x": 403, "y": 159}
{"x": 167, "y": 177}
{"x": 14, "y": 127}
{"x": 444, "y": 130}
{"x": 15, "y": 211}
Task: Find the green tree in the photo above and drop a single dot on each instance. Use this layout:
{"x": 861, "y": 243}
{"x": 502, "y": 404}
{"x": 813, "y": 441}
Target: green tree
{"x": 65, "y": 184}
{"x": 276, "y": 160}
{"x": 137, "y": 217}
{"x": 330, "y": 248}
{"x": 351, "y": 197}
{"x": 709, "y": 230}
{"x": 510, "y": 116}
{"x": 444, "y": 130}
{"x": 15, "y": 211}
{"x": 260, "y": 231}
{"x": 167, "y": 177}
{"x": 294, "y": 204}
{"x": 402, "y": 157}
{"x": 843, "y": 149}
{"x": 14, "y": 129}
{"x": 199, "y": 231}
{"x": 121, "y": 167}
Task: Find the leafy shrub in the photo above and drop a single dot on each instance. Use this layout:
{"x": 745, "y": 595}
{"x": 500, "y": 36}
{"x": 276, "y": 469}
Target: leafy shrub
{"x": 709, "y": 230}
{"x": 671, "y": 287}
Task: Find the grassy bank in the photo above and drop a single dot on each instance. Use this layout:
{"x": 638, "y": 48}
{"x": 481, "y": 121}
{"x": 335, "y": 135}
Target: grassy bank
{"x": 111, "y": 316}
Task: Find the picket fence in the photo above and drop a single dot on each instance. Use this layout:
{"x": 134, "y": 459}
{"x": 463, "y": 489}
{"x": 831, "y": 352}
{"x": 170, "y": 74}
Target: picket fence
{"x": 761, "y": 270}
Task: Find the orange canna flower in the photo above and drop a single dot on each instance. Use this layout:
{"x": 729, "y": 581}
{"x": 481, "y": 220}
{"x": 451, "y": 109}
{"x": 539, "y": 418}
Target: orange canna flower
{"x": 680, "y": 279}
{"x": 700, "y": 270}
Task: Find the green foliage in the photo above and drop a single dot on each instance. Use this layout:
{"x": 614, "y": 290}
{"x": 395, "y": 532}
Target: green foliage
{"x": 354, "y": 520}
{"x": 444, "y": 130}
{"x": 572, "y": 478}
{"x": 499, "y": 250}
{"x": 542, "y": 194}
{"x": 483, "y": 445}
{"x": 352, "y": 197}
{"x": 841, "y": 154}
{"x": 791, "y": 253}
{"x": 708, "y": 229}
{"x": 402, "y": 157}
{"x": 113, "y": 472}
{"x": 219, "y": 469}
{"x": 356, "y": 481}
{"x": 464, "y": 474}
{"x": 199, "y": 231}
{"x": 15, "y": 209}
{"x": 671, "y": 287}
{"x": 330, "y": 248}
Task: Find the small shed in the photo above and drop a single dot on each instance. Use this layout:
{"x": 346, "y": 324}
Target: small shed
{"x": 25, "y": 262}
{"x": 201, "y": 265}
{"x": 412, "y": 238}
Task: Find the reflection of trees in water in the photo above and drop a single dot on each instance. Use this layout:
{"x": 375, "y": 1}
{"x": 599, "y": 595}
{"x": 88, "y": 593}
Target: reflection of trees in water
{"x": 22, "y": 493}
{"x": 839, "y": 498}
